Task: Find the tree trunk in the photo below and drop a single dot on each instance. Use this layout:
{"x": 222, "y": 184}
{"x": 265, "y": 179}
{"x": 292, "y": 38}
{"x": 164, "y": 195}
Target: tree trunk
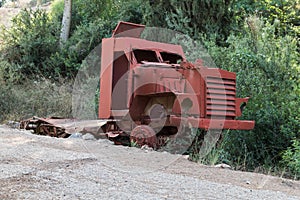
{"x": 38, "y": 3}
{"x": 66, "y": 23}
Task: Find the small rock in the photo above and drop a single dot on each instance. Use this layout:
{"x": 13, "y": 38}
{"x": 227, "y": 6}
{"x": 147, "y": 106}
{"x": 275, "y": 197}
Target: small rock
{"x": 76, "y": 135}
{"x": 146, "y": 148}
{"x": 248, "y": 182}
{"x": 88, "y": 136}
{"x": 26, "y": 173}
{"x": 288, "y": 183}
{"x": 224, "y": 166}
{"x": 13, "y": 124}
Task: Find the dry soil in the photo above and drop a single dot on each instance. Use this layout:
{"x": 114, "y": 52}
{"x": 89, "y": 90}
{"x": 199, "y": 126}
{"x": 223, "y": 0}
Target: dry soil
{"x": 39, "y": 167}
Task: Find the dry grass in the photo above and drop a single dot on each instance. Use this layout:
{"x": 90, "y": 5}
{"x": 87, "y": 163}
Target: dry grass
{"x": 35, "y": 98}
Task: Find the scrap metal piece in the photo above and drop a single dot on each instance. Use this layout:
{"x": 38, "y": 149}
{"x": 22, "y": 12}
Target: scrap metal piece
{"x": 62, "y": 127}
{"x": 46, "y": 126}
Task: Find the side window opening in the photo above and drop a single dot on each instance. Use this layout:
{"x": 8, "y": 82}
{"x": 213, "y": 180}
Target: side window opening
{"x": 170, "y": 57}
{"x": 145, "y": 55}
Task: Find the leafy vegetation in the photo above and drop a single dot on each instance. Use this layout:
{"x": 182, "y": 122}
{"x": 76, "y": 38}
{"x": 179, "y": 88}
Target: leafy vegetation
{"x": 29, "y": 43}
{"x": 268, "y": 71}
{"x": 291, "y": 158}
{"x": 259, "y": 40}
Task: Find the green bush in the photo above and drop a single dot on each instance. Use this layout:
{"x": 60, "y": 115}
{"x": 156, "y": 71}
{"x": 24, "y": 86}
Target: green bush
{"x": 29, "y": 43}
{"x": 84, "y": 39}
{"x": 83, "y": 12}
{"x": 267, "y": 68}
{"x": 291, "y": 158}
{"x": 192, "y": 17}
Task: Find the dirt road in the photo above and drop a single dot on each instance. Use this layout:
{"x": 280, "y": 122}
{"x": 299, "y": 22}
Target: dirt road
{"x": 38, "y": 167}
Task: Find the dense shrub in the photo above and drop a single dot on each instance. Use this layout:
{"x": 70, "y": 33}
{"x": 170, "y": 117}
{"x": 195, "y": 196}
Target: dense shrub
{"x": 291, "y": 159}
{"x": 83, "y": 12}
{"x": 28, "y": 44}
{"x": 191, "y": 17}
{"x": 267, "y": 68}
{"x": 84, "y": 39}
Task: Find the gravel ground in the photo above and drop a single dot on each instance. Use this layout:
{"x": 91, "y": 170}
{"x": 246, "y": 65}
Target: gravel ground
{"x": 37, "y": 167}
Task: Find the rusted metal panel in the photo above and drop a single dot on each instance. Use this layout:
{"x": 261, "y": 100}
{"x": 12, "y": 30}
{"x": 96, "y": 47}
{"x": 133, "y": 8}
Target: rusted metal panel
{"x": 127, "y": 29}
{"x": 214, "y": 123}
{"x": 106, "y": 78}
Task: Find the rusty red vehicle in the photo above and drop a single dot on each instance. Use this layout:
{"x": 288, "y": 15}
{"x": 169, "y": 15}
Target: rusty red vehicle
{"x": 149, "y": 91}
{"x": 150, "y": 94}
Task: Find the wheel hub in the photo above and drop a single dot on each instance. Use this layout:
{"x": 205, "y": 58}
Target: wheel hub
{"x": 143, "y": 135}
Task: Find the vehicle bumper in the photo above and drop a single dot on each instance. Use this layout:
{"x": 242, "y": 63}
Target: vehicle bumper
{"x": 206, "y": 124}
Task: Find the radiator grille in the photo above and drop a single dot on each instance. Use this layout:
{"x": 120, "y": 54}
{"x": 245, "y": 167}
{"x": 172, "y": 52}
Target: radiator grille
{"x": 220, "y": 97}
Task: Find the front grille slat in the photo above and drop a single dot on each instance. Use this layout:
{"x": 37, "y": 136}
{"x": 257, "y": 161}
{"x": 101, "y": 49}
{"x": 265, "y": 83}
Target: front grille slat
{"x": 220, "y": 113}
{"x": 218, "y": 86}
{"x": 221, "y": 91}
{"x": 220, "y": 97}
{"x": 221, "y": 102}
{"x": 217, "y": 81}
{"x": 220, "y": 107}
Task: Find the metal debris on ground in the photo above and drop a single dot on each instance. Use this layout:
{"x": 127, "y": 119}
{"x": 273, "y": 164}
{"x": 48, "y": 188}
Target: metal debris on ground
{"x": 62, "y": 127}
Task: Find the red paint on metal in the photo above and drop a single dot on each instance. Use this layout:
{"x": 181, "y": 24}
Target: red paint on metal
{"x": 214, "y": 123}
{"x": 127, "y": 29}
{"x": 106, "y": 78}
